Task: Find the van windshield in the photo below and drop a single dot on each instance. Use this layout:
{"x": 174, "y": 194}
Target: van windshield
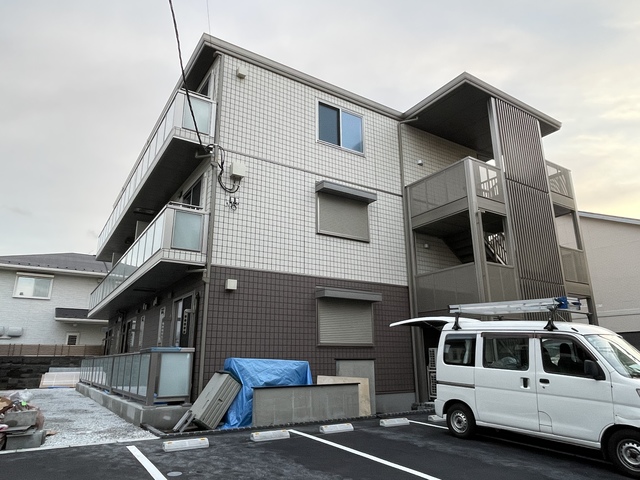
{"x": 619, "y": 353}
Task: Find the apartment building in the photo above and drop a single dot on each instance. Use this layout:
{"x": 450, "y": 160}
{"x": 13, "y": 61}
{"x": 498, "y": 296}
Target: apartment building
{"x": 271, "y": 214}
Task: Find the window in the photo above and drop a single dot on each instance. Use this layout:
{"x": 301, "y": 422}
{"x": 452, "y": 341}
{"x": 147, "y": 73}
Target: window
{"x": 345, "y": 317}
{"x": 33, "y": 286}
{"x": 343, "y": 211}
{"x": 192, "y": 196}
{"x": 506, "y": 352}
{"x": 73, "y": 338}
{"x": 564, "y": 356}
{"x": 340, "y": 127}
{"x": 460, "y": 350}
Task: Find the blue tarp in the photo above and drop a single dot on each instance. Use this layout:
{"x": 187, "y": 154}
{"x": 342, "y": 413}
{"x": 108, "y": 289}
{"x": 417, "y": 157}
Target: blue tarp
{"x": 258, "y": 372}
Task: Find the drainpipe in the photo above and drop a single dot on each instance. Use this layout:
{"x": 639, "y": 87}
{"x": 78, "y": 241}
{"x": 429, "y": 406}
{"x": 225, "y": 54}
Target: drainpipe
{"x": 417, "y": 340}
{"x": 206, "y": 277}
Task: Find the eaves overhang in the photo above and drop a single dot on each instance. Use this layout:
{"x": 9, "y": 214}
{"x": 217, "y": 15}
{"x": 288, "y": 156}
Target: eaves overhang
{"x": 208, "y": 47}
{"x": 459, "y": 112}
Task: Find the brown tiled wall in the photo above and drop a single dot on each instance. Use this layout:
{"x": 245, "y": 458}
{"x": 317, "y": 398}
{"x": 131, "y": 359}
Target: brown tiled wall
{"x": 273, "y": 315}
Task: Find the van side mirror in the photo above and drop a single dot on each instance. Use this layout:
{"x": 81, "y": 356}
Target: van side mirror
{"x": 592, "y": 370}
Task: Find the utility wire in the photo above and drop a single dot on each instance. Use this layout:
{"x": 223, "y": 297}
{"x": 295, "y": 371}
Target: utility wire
{"x": 184, "y": 77}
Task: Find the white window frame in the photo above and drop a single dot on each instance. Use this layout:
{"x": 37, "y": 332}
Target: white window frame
{"x": 72, "y": 334}
{"x": 340, "y": 129}
{"x": 19, "y": 275}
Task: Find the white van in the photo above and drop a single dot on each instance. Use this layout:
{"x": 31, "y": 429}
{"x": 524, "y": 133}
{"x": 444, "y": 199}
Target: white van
{"x": 568, "y": 382}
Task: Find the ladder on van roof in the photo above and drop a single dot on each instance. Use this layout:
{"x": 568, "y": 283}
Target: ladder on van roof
{"x": 550, "y": 305}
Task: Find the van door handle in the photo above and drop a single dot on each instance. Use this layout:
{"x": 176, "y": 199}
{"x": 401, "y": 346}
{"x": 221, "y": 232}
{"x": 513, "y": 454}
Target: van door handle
{"x": 544, "y": 380}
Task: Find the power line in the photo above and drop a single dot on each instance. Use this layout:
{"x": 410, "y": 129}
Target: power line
{"x": 184, "y": 77}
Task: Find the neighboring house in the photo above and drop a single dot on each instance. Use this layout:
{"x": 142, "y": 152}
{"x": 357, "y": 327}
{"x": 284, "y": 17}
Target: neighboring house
{"x": 44, "y": 299}
{"x": 323, "y": 217}
{"x": 613, "y": 249}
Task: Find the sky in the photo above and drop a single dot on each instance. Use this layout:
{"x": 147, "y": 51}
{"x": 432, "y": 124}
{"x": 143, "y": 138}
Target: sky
{"x": 83, "y": 82}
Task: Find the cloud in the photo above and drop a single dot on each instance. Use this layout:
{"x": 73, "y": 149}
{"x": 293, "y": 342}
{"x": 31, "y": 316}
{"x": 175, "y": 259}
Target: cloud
{"x": 84, "y": 82}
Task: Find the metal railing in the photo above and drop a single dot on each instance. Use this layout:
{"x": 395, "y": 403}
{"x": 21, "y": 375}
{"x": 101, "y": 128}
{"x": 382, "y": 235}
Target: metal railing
{"x": 560, "y": 180}
{"x": 154, "y": 375}
{"x": 176, "y": 115}
{"x": 574, "y": 264}
{"x": 450, "y": 184}
{"x": 177, "y": 227}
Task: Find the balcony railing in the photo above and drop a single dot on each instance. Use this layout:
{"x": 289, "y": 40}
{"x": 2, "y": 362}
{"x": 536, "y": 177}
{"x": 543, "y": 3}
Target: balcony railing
{"x": 454, "y": 285}
{"x": 178, "y": 231}
{"x": 154, "y": 375}
{"x": 574, "y": 263}
{"x": 450, "y": 185}
{"x": 176, "y": 115}
{"x": 559, "y": 180}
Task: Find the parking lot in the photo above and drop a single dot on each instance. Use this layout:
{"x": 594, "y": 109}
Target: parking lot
{"x": 423, "y": 449}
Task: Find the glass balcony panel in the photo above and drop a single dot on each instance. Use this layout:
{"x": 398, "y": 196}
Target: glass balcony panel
{"x": 187, "y": 231}
{"x": 143, "y": 379}
{"x": 202, "y": 113}
{"x": 149, "y": 238}
{"x": 126, "y": 379}
{"x": 170, "y": 384}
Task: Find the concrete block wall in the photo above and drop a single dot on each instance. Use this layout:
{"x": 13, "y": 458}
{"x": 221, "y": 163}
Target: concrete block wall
{"x": 25, "y": 372}
{"x": 307, "y": 403}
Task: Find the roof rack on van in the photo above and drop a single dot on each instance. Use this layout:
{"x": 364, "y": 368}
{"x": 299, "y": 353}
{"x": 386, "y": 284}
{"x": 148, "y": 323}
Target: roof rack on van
{"x": 550, "y": 305}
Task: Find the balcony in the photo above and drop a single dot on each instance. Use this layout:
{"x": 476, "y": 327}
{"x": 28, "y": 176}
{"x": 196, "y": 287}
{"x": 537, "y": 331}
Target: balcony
{"x": 446, "y": 193}
{"x": 561, "y": 188}
{"x": 166, "y": 161}
{"x": 451, "y": 286}
{"x": 154, "y": 375}
{"x": 171, "y": 245}
{"x": 576, "y": 271}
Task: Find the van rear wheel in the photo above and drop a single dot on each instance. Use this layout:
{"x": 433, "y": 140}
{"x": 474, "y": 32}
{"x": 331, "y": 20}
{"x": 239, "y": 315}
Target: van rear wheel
{"x": 624, "y": 452}
{"x": 460, "y": 420}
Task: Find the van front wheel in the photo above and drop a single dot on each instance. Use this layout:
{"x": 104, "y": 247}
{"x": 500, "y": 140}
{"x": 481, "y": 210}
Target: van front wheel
{"x": 460, "y": 420}
{"x": 624, "y": 451}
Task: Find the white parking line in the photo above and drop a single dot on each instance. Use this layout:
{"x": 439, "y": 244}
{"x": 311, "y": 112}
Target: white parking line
{"x": 146, "y": 463}
{"x": 367, "y": 456}
{"x": 429, "y": 424}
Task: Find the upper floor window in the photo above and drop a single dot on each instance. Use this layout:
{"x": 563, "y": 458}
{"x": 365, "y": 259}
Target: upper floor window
{"x": 31, "y": 285}
{"x": 339, "y": 127}
{"x": 342, "y": 211}
{"x": 192, "y": 196}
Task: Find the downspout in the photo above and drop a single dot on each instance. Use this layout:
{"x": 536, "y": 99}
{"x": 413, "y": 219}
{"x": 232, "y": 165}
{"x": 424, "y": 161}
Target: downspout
{"x": 206, "y": 277}
{"x": 417, "y": 341}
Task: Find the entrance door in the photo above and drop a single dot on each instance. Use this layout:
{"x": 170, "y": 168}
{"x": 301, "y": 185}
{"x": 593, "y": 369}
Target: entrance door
{"x": 570, "y": 403}
{"x": 184, "y": 334}
{"x": 504, "y": 391}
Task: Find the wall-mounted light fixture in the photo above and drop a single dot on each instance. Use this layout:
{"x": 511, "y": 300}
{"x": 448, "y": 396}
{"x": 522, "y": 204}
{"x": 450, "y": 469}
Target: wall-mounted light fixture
{"x": 420, "y": 163}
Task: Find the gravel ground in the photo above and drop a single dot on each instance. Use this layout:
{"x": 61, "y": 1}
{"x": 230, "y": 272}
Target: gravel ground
{"x": 78, "y": 420}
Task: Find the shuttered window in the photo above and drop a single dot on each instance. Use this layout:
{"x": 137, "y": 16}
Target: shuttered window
{"x": 343, "y": 211}
{"x": 345, "y": 322}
